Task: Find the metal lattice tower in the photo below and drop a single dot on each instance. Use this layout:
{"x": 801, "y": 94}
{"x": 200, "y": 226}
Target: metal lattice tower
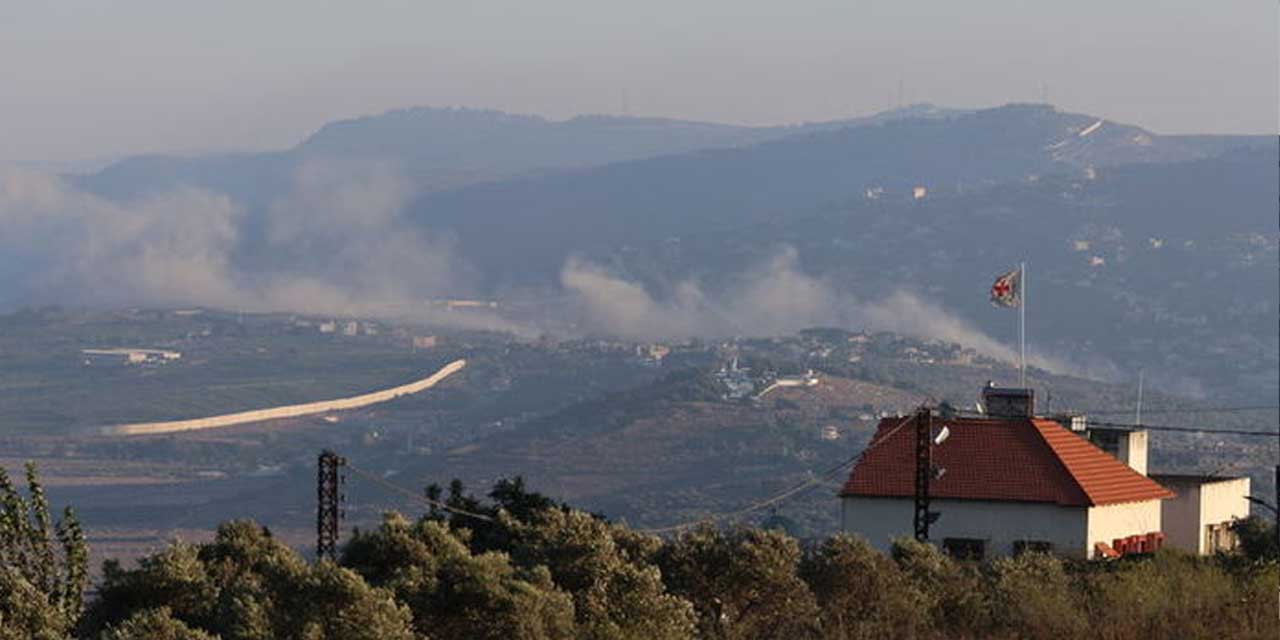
{"x": 924, "y": 469}
{"x": 329, "y": 500}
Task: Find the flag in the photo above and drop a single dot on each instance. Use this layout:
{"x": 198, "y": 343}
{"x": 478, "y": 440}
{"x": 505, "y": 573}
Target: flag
{"x": 1007, "y": 290}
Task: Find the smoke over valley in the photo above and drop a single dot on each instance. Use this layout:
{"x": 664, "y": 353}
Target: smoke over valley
{"x": 338, "y": 243}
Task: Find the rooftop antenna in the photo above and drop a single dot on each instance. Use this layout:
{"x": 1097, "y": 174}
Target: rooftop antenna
{"x": 1138, "y": 418}
{"x": 901, "y": 82}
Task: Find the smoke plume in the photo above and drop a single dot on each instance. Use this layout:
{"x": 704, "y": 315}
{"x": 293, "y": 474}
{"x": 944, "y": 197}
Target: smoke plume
{"x": 336, "y": 243}
{"x": 775, "y": 297}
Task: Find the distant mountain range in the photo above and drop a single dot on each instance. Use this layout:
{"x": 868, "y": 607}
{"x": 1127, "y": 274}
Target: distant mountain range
{"x": 450, "y": 147}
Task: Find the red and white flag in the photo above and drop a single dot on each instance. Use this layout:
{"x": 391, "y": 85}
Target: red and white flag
{"x": 1007, "y": 290}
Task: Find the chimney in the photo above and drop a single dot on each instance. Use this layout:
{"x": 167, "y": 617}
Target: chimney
{"x": 1006, "y": 402}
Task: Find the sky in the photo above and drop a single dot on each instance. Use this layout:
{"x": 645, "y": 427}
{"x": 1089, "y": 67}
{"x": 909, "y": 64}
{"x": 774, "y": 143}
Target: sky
{"x": 85, "y": 80}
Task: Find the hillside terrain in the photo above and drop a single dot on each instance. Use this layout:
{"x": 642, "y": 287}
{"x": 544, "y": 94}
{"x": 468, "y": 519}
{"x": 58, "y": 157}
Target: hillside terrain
{"x": 643, "y": 434}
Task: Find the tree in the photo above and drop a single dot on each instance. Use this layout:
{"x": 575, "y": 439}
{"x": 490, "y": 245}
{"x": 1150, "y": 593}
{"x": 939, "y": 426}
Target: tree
{"x": 1257, "y": 538}
{"x": 617, "y": 591}
{"x": 246, "y": 585}
{"x": 861, "y": 593}
{"x": 615, "y": 594}
{"x": 953, "y": 592}
{"x": 43, "y": 566}
{"x": 454, "y": 594}
{"x": 154, "y": 624}
{"x": 743, "y": 583}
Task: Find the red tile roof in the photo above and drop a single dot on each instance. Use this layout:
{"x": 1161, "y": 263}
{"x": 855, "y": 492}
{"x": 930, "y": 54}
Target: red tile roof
{"x": 1000, "y": 459}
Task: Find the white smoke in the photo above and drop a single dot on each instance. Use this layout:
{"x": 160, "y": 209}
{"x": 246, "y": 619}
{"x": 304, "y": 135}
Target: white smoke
{"x": 775, "y": 297}
{"x": 335, "y": 244}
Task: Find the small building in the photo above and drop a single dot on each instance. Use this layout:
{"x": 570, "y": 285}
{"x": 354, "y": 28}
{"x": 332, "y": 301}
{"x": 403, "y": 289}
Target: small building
{"x": 1004, "y": 484}
{"x": 919, "y": 193}
{"x": 129, "y": 356}
{"x": 1200, "y": 518}
{"x": 425, "y": 342}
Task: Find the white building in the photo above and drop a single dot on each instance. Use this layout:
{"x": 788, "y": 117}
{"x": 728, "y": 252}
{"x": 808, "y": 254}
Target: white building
{"x": 1199, "y": 519}
{"x": 129, "y": 356}
{"x": 1010, "y": 484}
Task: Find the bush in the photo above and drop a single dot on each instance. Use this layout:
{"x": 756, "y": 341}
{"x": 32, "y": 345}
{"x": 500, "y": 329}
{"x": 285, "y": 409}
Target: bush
{"x": 454, "y": 594}
{"x": 1032, "y": 597}
{"x": 743, "y": 583}
{"x": 247, "y": 585}
{"x": 953, "y": 593}
{"x": 861, "y": 593}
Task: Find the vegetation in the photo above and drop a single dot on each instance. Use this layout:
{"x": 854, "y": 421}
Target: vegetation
{"x": 520, "y": 565}
{"x": 43, "y": 566}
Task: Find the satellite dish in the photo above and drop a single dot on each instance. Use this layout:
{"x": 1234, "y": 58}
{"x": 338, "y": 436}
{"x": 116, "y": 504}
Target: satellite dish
{"x": 942, "y": 436}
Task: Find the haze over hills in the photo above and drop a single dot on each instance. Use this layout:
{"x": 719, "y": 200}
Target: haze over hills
{"x": 648, "y": 228}
{"x": 449, "y": 147}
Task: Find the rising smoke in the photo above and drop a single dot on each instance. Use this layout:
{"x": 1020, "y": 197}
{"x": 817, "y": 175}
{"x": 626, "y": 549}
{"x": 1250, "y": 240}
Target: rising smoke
{"x": 776, "y": 297}
{"x": 335, "y": 244}
{"x": 338, "y": 244}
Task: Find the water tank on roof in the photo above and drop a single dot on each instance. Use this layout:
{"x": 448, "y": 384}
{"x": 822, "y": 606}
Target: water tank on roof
{"x": 1009, "y": 402}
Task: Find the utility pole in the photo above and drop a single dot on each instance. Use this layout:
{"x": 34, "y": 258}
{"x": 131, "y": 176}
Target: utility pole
{"x": 329, "y": 500}
{"x": 924, "y": 468}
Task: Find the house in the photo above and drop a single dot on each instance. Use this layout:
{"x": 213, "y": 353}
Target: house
{"x": 1198, "y": 518}
{"x": 1002, "y": 484}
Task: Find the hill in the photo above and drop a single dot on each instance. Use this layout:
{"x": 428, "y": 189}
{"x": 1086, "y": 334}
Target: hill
{"x": 440, "y": 148}
{"x": 538, "y": 221}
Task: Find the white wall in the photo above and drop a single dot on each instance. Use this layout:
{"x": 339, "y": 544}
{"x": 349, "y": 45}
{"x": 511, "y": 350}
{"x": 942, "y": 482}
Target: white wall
{"x": 1106, "y": 523}
{"x": 1200, "y": 503}
{"x": 1000, "y": 524}
{"x": 1221, "y": 502}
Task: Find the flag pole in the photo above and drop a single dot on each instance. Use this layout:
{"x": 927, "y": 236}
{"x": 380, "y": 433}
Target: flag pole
{"x": 1022, "y": 325}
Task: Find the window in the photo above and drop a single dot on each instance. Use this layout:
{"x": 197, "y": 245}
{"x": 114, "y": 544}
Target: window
{"x": 1219, "y": 537}
{"x": 1037, "y": 546}
{"x": 964, "y": 548}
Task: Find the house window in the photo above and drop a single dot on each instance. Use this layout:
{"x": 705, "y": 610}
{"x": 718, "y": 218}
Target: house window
{"x": 964, "y": 548}
{"x": 1219, "y": 537}
{"x": 1036, "y": 546}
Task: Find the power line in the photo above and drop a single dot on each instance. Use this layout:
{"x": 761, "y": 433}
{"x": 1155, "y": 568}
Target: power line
{"x": 779, "y": 497}
{"x": 1195, "y": 410}
{"x": 395, "y": 488}
{"x": 814, "y": 479}
{"x": 1154, "y": 427}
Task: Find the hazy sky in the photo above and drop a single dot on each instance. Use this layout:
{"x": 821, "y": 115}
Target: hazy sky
{"x": 88, "y": 79}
